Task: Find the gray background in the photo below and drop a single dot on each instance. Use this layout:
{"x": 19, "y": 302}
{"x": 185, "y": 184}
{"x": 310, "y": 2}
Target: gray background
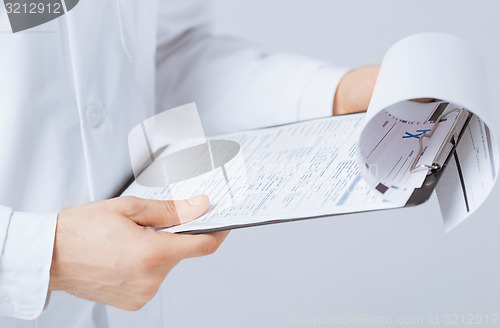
{"x": 392, "y": 263}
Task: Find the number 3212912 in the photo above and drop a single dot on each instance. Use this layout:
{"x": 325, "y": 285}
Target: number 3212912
{"x": 33, "y": 8}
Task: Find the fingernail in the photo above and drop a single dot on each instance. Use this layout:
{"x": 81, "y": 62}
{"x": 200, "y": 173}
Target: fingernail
{"x": 197, "y": 200}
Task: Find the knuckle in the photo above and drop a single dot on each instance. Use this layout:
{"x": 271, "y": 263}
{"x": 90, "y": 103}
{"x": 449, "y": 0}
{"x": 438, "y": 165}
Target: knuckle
{"x": 149, "y": 260}
{"x": 151, "y": 287}
{"x": 130, "y": 204}
{"x": 210, "y": 247}
{"x": 134, "y": 307}
{"x": 170, "y": 208}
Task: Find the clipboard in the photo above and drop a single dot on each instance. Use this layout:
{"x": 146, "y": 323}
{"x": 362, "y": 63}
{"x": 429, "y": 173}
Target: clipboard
{"x": 438, "y": 166}
{"x": 415, "y": 67}
{"x": 419, "y": 195}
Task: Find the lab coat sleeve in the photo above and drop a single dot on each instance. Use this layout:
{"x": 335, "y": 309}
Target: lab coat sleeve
{"x": 236, "y": 84}
{"x": 26, "y": 245}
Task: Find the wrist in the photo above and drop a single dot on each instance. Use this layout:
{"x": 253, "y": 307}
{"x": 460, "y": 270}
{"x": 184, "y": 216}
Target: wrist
{"x": 355, "y": 89}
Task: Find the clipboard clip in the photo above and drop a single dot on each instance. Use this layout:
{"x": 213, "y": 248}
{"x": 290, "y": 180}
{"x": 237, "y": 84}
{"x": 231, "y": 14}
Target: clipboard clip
{"x": 448, "y": 143}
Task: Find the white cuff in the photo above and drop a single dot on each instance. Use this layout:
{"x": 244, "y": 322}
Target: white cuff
{"x": 317, "y": 98}
{"x": 25, "y": 262}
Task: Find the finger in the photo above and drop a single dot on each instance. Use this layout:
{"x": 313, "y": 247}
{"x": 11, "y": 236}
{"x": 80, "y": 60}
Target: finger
{"x": 187, "y": 246}
{"x": 164, "y": 213}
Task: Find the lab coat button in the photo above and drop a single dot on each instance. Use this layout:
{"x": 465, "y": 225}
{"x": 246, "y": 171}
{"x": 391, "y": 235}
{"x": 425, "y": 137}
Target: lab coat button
{"x": 6, "y": 306}
{"x": 94, "y": 116}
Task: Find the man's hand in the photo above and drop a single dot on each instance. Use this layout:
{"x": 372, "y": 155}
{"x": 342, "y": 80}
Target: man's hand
{"x": 355, "y": 90}
{"x": 104, "y": 253}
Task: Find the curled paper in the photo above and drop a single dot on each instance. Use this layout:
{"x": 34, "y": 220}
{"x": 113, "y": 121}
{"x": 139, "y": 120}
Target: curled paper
{"x": 435, "y": 84}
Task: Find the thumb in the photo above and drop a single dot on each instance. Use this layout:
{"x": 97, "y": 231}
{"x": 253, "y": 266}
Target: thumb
{"x": 164, "y": 213}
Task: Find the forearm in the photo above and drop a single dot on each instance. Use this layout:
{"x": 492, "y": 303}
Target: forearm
{"x": 238, "y": 85}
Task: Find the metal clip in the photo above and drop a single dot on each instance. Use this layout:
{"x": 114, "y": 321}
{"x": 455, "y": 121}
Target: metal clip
{"x": 447, "y": 145}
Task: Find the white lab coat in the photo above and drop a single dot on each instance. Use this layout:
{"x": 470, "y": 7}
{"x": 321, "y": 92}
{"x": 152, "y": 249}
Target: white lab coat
{"x": 71, "y": 90}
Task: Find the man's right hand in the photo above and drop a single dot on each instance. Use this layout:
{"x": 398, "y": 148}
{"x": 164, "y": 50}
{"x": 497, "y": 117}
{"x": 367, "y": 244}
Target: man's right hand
{"x": 105, "y": 253}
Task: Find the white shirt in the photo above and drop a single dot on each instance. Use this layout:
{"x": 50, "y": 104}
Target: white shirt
{"x": 71, "y": 90}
